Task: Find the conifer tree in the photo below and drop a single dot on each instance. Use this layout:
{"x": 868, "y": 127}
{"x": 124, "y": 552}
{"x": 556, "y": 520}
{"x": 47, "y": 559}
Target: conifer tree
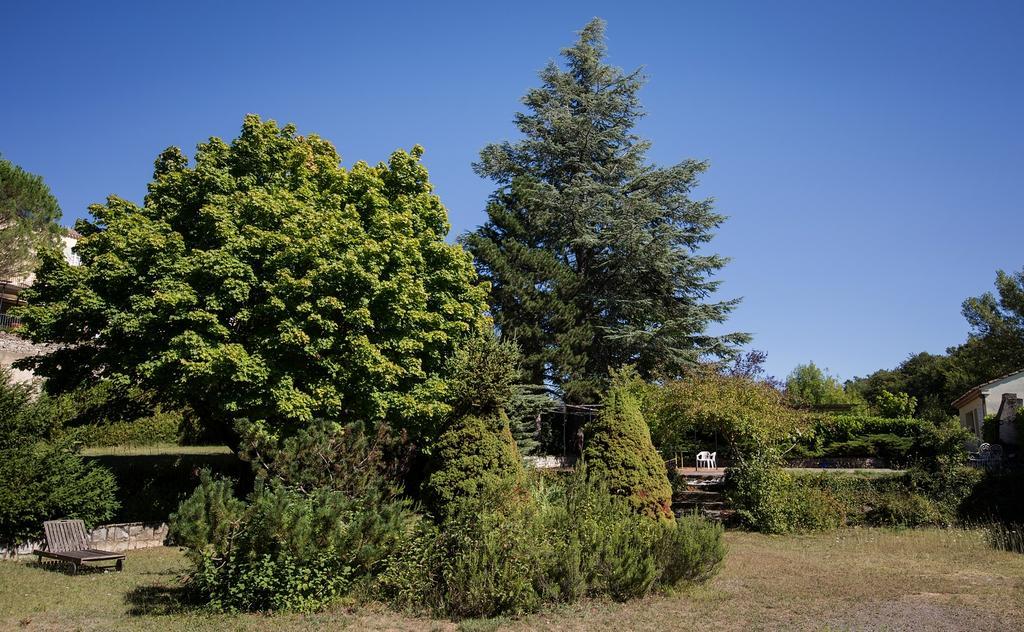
{"x": 594, "y": 255}
{"x": 28, "y": 220}
{"x": 620, "y": 454}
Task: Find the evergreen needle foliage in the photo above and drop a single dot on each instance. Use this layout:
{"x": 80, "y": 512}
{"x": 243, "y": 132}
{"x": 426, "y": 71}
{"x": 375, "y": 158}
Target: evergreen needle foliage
{"x": 593, "y": 255}
{"x": 619, "y": 452}
{"x": 28, "y": 220}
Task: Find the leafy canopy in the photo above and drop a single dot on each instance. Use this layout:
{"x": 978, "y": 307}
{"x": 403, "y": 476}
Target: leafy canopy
{"x": 750, "y": 415}
{"x": 266, "y": 282}
{"x": 28, "y": 220}
{"x": 594, "y": 255}
{"x": 808, "y": 385}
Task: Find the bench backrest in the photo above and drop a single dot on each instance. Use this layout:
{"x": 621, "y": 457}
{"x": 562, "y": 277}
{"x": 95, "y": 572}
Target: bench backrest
{"x": 65, "y": 535}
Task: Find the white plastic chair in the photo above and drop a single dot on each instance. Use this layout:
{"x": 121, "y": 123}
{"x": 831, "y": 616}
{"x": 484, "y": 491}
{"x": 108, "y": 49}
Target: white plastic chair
{"x": 706, "y": 459}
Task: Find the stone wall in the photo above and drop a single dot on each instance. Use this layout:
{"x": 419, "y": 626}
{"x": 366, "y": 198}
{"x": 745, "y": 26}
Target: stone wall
{"x": 840, "y": 462}
{"x": 124, "y": 536}
{"x": 550, "y": 462}
{"x": 14, "y": 348}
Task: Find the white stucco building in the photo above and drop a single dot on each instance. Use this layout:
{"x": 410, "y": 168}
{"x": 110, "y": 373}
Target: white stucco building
{"x": 1002, "y": 396}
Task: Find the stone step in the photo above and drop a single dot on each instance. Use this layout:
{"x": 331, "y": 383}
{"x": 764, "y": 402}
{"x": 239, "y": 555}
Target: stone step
{"x": 720, "y": 515}
{"x": 698, "y": 496}
{"x": 688, "y": 506}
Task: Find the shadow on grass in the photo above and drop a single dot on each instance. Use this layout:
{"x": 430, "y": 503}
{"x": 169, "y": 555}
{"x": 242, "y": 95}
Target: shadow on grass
{"x": 145, "y": 601}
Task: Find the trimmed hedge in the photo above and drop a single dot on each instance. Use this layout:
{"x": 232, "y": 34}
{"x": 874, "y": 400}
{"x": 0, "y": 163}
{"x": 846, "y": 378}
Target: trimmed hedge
{"x": 619, "y": 453}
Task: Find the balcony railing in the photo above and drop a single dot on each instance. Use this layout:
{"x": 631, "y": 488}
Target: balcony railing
{"x": 9, "y": 322}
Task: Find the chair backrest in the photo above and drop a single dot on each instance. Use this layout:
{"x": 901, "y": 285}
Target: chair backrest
{"x": 703, "y": 455}
{"x": 713, "y": 455}
{"x": 65, "y": 535}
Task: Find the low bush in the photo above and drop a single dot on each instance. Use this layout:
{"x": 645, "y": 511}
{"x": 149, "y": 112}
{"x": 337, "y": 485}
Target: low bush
{"x": 772, "y": 500}
{"x": 42, "y": 480}
{"x": 319, "y": 523}
{"x": 567, "y": 541}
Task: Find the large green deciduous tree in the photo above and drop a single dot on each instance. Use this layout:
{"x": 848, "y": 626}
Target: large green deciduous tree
{"x": 594, "y": 256}
{"x": 28, "y": 220}
{"x": 267, "y": 283}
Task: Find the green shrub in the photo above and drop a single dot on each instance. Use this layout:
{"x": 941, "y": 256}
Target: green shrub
{"x": 896, "y": 405}
{"x": 291, "y": 551}
{"x": 319, "y": 523}
{"x": 473, "y": 457}
{"x": 690, "y": 551}
{"x": 990, "y": 429}
{"x": 42, "y": 475}
{"x": 895, "y": 509}
{"x": 566, "y": 541}
{"x": 160, "y": 428}
{"x": 42, "y": 480}
{"x": 619, "y": 453}
{"x": 758, "y": 488}
{"x": 773, "y": 501}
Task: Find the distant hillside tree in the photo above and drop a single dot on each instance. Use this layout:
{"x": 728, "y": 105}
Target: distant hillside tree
{"x": 28, "y": 220}
{"x": 809, "y": 385}
{"x": 267, "y": 283}
{"x": 595, "y": 256}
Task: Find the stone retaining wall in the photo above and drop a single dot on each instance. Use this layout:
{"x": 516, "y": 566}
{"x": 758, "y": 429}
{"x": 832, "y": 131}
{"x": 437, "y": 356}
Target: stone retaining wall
{"x": 840, "y": 462}
{"x": 550, "y": 462}
{"x": 124, "y": 536}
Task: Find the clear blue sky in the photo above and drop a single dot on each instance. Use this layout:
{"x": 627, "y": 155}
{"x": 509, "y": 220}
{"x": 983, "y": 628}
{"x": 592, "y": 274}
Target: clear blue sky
{"x": 870, "y": 155}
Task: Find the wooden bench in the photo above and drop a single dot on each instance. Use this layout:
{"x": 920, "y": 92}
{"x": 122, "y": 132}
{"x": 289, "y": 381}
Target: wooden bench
{"x": 67, "y": 542}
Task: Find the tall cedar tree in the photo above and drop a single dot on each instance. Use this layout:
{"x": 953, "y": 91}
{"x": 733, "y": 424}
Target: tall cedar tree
{"x": 28, "y": 220}
{"x": 593, "y": 254}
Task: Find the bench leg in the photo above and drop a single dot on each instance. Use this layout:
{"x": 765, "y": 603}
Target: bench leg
{"x": 73, "y": 568}
{"x": 119, "y": 566}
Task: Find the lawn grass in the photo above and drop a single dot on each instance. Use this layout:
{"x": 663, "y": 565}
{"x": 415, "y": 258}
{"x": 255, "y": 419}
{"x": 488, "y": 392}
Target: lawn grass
{"x": 853, "y": 579}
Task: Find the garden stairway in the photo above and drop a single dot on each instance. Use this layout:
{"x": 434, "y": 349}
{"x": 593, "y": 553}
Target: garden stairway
{"x": 704, "y": 494}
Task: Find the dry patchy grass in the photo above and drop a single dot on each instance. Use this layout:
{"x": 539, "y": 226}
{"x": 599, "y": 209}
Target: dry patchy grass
{"x": 858, "y": 579}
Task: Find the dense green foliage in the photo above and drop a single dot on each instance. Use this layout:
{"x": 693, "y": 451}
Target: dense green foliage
{"x": 565, "y": 542}
{"x": 28, "y": 220}
{"x": 747, "y": 414}
{"x": 473, "y": 456}
{"x": 42, "y": 476}
{"x": 935, "y": 491}
{"x": 476, "y": 455}
{"x": 619, "y": 452}
{"x": 593, "y": 255}
{"x": 160, "y": 428}
{"x": 810, "y": 386}
{"x": 319, "y": 523}
{"x": 266, "y": 282}
{"x": 773, "y": 500}
{"x": 896, "y": 405}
